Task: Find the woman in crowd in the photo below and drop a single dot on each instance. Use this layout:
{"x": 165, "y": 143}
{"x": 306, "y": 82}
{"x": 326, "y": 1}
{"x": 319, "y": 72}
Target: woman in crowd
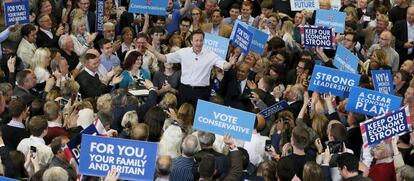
{"x": 81, "y": 38}
{"x": 133, "y": 73}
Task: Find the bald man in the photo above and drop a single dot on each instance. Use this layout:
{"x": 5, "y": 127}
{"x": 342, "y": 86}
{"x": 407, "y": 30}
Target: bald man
{"x": 408, "y": 66}
{"x": 163, "y": 168}
{"x": 403, "y": 31}
{"x": 385, "y": 45}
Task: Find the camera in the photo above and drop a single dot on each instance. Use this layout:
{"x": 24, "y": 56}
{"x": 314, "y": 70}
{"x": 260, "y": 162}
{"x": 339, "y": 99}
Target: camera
{"x": 335, "y": 147}
{"x": 33, "y": 151}
{"x": 268, "y": 145}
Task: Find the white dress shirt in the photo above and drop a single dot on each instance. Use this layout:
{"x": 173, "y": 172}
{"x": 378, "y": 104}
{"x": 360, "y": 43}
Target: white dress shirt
{"x": 196, "y": 68}
{"x": 410, "y": 31}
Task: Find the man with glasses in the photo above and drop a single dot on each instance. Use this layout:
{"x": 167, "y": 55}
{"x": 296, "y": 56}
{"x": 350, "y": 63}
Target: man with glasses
{"x": 184, "y": 31}
{"x": 385, "y": 45}
{"x": 149, "y": 61}
{"x": 46, "y": 37}
{"x": 174, "y": 15}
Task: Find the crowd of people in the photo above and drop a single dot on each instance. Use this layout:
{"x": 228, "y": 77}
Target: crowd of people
{"x": 59, "y": 74}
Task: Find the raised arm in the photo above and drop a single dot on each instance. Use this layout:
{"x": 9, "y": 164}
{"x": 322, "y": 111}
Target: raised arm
{"x": 160, "y": 57}
{"x": 185, "y": 8}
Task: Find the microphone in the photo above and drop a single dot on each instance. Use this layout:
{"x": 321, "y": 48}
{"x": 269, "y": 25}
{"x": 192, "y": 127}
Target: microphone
{"x": 196, "y": 59}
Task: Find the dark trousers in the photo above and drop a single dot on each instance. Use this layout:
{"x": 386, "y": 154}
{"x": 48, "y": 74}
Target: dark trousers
{"x": 189, "y": 94}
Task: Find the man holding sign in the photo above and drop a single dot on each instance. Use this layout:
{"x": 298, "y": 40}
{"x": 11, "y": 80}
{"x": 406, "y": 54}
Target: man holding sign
{"x": 197, "y": 63}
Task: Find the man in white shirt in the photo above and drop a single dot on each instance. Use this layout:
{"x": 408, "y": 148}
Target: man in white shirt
{"x": 38, "y": 129}
{"x": 196, "y": 63}
{"x": 27, "y": 46}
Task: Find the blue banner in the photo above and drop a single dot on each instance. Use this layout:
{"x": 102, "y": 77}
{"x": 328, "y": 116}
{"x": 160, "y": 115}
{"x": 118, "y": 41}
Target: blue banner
{"x": 344, "y": 60}
{"x": 100, "y": 13}
{"x": 334, "y": 81}
{"x": 242, "y": 38}
{"x": 134, "y": 159}
{"x": 217, "y": 44}
{"x": 331, "y": 18}
{"x": 382, "y": 80}
{"x": 153, "y": 7}
{"x": 222, "y": 120}
{"x": 371, "y": 102}
{"x": 259, "y": 40}
{"x": 274, "y": 108}
{"x": 380, "y": 128}
{"x": 6, "y": 179}
{"x": 16, "y": 12}
{"x": 317, "y": 36}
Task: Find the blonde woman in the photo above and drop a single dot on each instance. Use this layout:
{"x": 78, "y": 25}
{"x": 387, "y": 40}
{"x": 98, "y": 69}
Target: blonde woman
{"x": 286, "y": 33}
{"x": 379, "y": 57}
{"x": 82, "y": 40}
{"x": 40, "y": 61}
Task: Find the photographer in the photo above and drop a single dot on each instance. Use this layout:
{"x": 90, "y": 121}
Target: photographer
{"x": 335, "y": 146}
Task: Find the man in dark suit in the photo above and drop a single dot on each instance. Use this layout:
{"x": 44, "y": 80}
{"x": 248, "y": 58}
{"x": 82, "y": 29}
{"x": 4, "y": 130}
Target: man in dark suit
{"x": 15, "y": 130}
{"x": 90, "y": 15}
{"x": 88, "y": 79}
{"x": 46, "y": 37}
{"x": 403, "y": 41}
{"x": 236, "y": 92}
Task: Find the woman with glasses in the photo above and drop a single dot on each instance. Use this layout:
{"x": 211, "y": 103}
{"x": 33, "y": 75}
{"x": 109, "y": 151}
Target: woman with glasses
{"x": 197, "y": 19}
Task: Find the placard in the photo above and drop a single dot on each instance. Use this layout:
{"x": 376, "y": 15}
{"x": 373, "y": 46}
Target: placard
{"x": 382, "y": 80}
{"x": 274, "y": 108}
{"x": 345, "y": 60}
{"x": 217, "y": 44}
{"x": 331, "y": 18}
{"x": 380, "y": 128}
{"x": 135, "y": 160}
{"x": 222, "y": 120}
{"x": 72, "y": 150}
{"x": 317, "y": 36}
{"x": 371, "y": 102}
{"x": 152, "y": 7}
{"x": 16, "y": 12}
{"x": 299, "y": 5}
{"x": 242, "y": 38}
{"x": 100, "y": 14}
{"x": 259, "y": 40}
{"x": 334, "y": 81}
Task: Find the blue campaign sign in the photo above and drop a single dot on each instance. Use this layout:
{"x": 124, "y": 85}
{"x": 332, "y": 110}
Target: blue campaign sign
{"x": 371, "y": 102}
{"x": 331, "y": 18}
{"x": 153, "y": 7}
{"x": 395, "y": 123}
{"x": 134, "y": 159}
{"x": 345, "y": 60}
{"x": 334, "y": 81}
{"x": 222, "y": 120}
{"x": 259, "y": 40}
{"x": 382, "y": 80}
{"x": 317, "y": 36}
{"x": 217, "y": 44}
{"x": 237, "y": 23}
{"x": 242, "y": 38}
{"x": 100, "y": 13}
{"x": 274, "y": 108}
{"x": 16, "y": 12}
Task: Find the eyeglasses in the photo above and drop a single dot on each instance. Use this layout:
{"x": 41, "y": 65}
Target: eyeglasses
{"x": 195, "y": 14}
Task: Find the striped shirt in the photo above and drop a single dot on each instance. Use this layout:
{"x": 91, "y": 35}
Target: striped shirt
{"x": 182, "y": 169}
